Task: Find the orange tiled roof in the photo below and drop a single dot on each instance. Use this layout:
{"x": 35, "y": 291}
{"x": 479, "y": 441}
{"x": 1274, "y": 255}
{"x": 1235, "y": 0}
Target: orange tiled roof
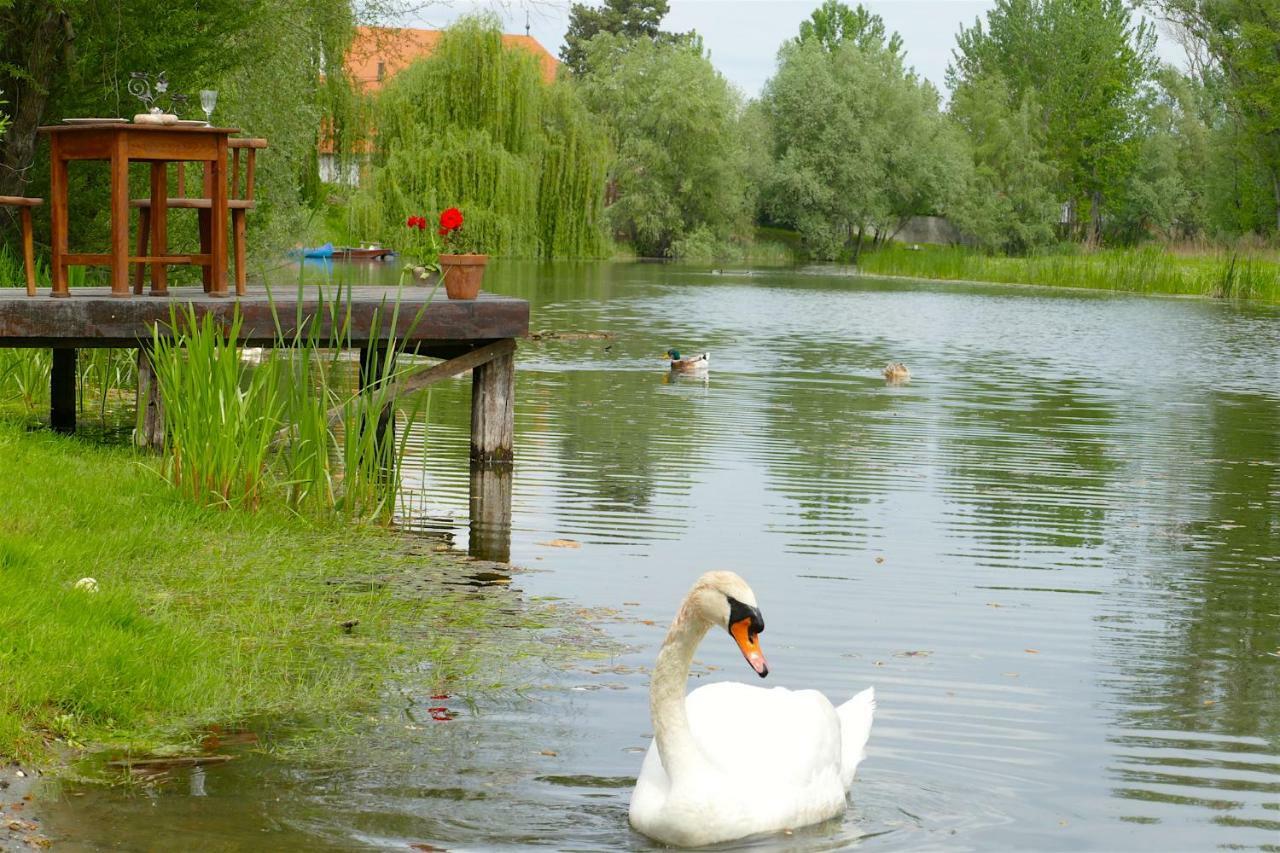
{"x": 378, "y": 53}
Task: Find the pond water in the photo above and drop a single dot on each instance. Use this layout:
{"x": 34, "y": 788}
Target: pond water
{"x": 1055, "y": 553}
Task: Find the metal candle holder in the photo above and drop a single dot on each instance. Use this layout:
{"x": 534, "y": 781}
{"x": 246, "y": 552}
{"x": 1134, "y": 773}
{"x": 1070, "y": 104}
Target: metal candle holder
{"x": 149, "y": 91}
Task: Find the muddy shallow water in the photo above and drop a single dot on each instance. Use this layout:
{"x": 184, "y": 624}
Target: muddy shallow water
{"x": 1053, "y": 552}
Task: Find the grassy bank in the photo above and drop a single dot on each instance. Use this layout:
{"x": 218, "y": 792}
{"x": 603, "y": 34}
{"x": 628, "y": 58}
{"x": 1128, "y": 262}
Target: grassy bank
{"x": 1224, "y": 274}
{"x": 201, "y": 615}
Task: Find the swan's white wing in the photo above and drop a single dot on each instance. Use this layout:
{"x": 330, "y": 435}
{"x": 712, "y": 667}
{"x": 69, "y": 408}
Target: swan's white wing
{"x": 774, "y": 737}
{"x": 855, "y": 727}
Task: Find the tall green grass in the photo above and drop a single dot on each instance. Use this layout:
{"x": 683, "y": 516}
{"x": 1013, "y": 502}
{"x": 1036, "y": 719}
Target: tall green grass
{"x": 1149, "y": 269}
{"x": 292, "y": 426}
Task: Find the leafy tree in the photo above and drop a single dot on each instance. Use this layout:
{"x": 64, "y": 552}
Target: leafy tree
{"x": 1166, "y": 192}
{"x": 833, "y": 23}
{"x": 277, "y": 66}
{"x": 674, "y": 120}
{"x": 859, "y": 143}
{"x": 1007, "y": 203}
{"x": 630, "y": 18}
{"x": 1084, "y": 62}
{"x": 1242, "y": 40}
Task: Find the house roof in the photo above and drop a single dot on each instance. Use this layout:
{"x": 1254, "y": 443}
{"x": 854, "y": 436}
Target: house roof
{"x": 378, "y": 53}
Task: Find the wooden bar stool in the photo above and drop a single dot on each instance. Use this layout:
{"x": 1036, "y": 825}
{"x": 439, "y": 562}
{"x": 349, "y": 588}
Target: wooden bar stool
{"x": 239, "y": 203}
{"x": 24, "y": 206}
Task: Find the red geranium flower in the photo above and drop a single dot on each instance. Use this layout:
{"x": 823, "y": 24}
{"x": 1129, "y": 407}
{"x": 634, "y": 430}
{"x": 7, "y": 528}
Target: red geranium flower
{"x": 450, "y": 220}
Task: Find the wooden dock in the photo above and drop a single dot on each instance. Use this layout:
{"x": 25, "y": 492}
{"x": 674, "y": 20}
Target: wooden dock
{"x": 476, "y": 335}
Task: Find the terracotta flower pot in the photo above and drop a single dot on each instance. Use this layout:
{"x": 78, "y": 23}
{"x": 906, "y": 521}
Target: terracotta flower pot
{"x": 462, "y": 274}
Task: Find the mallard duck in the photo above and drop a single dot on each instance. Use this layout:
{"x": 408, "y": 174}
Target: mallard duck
{"x": 895, "y": 372}
{"x": 689, "y": 363}
{"x": 731, "y": 760}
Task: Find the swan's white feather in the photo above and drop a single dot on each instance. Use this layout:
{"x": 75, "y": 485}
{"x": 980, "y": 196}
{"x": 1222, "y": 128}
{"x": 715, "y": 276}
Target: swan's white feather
{"x": 779, "y": 759}
{"x": 855, "y": 727}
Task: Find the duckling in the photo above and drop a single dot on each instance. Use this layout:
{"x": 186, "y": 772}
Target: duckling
{"x": 690, "y": 363}
{"x": 895, "y": 372}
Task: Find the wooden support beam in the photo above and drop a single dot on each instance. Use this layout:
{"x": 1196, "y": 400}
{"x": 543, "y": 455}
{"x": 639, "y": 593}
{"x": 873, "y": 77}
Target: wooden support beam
{"x": 150, "y": 428}
{"x": 377, "y": 365}
{"x": 62, "y": 390}
{"x": 419, "y": 380}
{"x": 454, "y": 366}
{"x": 493, "y": 391}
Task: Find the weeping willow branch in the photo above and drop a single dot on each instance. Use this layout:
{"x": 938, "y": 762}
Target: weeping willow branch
{"x": 476, "y": 126}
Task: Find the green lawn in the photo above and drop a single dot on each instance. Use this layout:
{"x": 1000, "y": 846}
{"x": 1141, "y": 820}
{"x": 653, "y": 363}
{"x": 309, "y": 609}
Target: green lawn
{"x": 202, "y": 615}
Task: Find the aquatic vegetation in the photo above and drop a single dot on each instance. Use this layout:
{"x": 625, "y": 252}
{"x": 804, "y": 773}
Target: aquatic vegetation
{"x": 1150, "y": 269}
{"x": 293, "y": 424}
{"x": 220, "y": 414}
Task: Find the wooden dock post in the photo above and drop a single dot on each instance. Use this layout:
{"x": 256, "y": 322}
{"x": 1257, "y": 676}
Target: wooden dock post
{"x": 62, "y": 390}
{"x": 489, "y": 535}
{"x": 493, "y": 391}
{"x": 373, "y": 368}
{"x": 150, "y": 429}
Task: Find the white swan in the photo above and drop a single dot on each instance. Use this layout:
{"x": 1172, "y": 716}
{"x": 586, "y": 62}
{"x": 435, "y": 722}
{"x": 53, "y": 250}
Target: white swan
{"x": 733, "y": 760}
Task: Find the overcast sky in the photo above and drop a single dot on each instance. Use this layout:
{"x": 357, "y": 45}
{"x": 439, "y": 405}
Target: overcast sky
{"x": 743, "y": 36}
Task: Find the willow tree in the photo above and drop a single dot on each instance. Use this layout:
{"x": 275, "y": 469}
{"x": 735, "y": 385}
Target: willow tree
{"x": 475, "y": 126}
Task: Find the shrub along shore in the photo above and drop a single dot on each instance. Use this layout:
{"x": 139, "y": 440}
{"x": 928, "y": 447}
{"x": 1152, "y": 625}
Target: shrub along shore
{"x": 204, "y": 615}
{"x": 1221, "y": 273}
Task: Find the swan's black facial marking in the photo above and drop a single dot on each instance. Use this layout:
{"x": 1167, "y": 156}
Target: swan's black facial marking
{"x": 745, "y": 625}
{"x": 739, "y": 611}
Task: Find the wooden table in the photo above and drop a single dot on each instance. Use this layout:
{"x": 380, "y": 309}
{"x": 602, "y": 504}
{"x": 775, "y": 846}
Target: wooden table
{"x": 121, "y": 144}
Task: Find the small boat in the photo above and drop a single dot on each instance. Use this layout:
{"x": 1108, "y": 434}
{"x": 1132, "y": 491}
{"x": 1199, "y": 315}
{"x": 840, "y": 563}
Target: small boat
{"x": 325, "y": 251}
{"x": 363, "y": 253}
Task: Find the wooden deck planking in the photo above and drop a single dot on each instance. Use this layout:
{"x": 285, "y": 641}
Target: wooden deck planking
{"x": 92, "y": 317}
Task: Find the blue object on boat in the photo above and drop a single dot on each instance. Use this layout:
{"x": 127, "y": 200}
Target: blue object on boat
{"x": 325, "y": 251}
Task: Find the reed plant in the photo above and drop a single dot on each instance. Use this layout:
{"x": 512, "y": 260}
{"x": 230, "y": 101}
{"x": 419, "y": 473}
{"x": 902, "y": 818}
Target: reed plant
{"x": 104, "y": 374}
{"x": 1148, "y": 269}
{"x": 220, "y": 414}
{"x": 24, "y": 376}
{"x": 293, "y": 425}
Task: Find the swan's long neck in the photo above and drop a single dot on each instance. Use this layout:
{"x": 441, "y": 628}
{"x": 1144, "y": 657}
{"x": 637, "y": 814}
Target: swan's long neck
{"x": 676, "y": 745}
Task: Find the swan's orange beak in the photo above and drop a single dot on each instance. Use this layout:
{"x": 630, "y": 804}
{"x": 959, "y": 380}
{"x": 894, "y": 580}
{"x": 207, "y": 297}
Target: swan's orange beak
{"x": 748, "y": 641}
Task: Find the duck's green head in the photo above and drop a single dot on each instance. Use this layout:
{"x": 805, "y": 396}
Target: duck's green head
{"x": 673, "y": 354}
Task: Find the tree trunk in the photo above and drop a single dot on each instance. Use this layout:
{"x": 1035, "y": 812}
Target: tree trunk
{"x": 857, "y": 247}
{"x": 1095, "y": 220}
{"x": 37, "y": 32}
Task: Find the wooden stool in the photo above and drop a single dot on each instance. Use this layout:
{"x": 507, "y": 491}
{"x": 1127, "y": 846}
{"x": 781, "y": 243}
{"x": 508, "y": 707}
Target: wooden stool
{"x": 24, "y": 206}
{"x": 238, "y": 203}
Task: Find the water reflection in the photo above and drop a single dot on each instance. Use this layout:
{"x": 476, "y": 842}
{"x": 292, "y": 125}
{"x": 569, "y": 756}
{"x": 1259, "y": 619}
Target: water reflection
{"x": 490, "y": 502}
{"x": 1029, "y": 466}
{"x": 1201, "y": 728}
